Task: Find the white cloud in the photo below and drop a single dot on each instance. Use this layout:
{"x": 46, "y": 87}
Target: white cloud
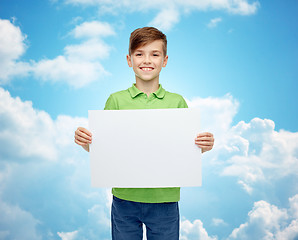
{"x": 12, "y": 47}
{"x": 257, "y": 153}
{"x": 98, "y": 214}
{"x": 93, "y": 29}
{"x": 79, "y": 65}
{"x": 71, "y": 71}
{"x": 294, "y": 206}
{"x": 166, "y": 19}
{"x": 213, "y": 22}
{"x": 12, "y": 40}
{"x": 195, "y": 230}
{"x": 266, "y": 221}
{"x": 171, "y": 10}
{"x": 24, "y": 132}
{"x": 16, "y": 223}
{"x": 242, "y": 7}
{"x": 218, "y": 222}
{"x": 217, "y": 115}
{"x": 42, "y": 169}
{"x": 289, "y": 233}
{"x": 27, "y": 133}
{"x": 90, "y": 50}
{"x": 95, "y": 226}
{"x": 253, "y": 152}
{"x": 68, "y": 235}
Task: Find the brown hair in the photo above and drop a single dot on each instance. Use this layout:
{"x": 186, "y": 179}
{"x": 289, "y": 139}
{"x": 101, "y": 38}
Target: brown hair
{"x": 145, "y": 35}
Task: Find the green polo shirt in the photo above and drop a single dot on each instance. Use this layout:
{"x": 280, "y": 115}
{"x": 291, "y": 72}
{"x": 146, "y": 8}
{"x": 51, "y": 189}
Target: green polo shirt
{"x": 133, "y": 98}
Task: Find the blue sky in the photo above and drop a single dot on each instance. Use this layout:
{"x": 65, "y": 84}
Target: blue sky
{"x": 235, "y": 60}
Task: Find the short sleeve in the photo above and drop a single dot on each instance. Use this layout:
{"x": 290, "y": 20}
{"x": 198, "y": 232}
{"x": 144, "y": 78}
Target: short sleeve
{"x": 182, "y": 103}
{"x": 110, "y": 104}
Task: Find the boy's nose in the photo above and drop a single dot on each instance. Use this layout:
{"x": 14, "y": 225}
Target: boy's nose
{"x": 147, "y": 59}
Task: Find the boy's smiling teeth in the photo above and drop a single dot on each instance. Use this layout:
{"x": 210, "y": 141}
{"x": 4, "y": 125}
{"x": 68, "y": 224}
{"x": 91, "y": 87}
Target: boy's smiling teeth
{"x": 147, "y": 68}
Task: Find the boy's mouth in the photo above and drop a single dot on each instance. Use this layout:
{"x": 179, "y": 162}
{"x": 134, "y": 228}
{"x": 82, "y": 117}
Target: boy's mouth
{"x": 146, "y": 69}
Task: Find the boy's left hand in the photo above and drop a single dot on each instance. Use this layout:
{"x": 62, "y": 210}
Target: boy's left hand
{"x": 205, "y": 141}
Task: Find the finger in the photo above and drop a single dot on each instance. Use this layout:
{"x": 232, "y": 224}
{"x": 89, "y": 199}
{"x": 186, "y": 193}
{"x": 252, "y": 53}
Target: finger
{"x": 80, "y": 143}
{"x": 205, "y": 139}
{"x": 205, "y": 134}
{"x": 83, "y": 135}
{"x": 205, "y": 144}
{"x": 211, "y": 140}
{"x": 82, "y": 139}
{"x": 84, "y": 130}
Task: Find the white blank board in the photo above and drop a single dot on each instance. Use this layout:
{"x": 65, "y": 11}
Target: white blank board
{"x": 144, "y": 148}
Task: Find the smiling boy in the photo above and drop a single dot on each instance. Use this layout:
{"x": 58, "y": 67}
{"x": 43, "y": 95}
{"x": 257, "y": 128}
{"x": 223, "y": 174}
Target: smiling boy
{"x": 157, "y": 208}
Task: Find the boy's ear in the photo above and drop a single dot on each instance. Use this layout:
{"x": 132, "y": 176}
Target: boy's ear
{"x": 165, "y": 61}
{"x": 128, "y": 58}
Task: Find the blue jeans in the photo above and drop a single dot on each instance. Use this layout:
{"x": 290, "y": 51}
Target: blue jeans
{"x": 161, "y": 220}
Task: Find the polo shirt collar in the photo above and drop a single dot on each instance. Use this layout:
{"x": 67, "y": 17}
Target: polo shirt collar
{"x": 134, "y": 91}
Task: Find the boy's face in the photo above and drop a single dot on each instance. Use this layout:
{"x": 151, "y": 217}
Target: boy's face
{"x": 147, "y": 61}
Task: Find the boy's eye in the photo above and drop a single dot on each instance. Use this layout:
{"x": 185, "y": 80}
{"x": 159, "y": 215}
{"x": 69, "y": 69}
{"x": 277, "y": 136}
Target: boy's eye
{"x": 138, "y": 54}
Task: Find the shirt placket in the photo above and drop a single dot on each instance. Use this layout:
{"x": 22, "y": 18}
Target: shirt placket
{"x": 148, "y": 100}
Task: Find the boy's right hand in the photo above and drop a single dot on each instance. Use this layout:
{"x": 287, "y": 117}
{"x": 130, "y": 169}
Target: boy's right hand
{"x": 83, "y": 137}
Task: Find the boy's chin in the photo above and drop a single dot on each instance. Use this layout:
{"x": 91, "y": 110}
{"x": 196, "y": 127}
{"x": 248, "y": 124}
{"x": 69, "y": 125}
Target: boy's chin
{"x": 146, "y": 79}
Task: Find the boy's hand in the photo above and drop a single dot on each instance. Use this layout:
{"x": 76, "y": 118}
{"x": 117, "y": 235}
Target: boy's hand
{"x": 205, "y": 141}
{"x": 83, "y": 137}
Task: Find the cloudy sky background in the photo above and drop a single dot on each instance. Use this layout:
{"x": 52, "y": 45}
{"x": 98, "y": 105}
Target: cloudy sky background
{"x": 234, "y": 59}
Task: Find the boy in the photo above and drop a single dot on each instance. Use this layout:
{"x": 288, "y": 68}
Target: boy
{"x": 157, "y": 208}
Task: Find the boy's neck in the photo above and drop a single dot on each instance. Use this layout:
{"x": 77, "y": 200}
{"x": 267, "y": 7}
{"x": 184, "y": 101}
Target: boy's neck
{"x": 147, "y": 87}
